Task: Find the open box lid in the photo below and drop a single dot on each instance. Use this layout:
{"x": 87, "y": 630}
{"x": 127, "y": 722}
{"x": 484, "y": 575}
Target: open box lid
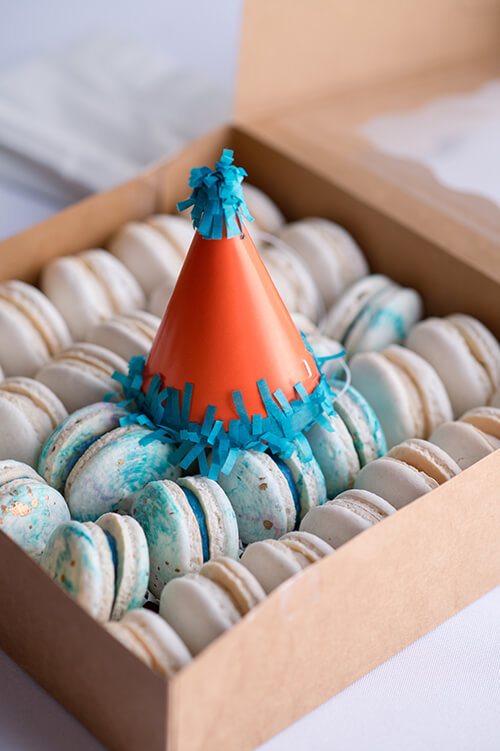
{"x": 312, "y": 73}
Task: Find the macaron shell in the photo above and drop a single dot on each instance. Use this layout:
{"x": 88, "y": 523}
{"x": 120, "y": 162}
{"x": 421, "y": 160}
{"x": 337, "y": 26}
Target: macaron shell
{"x": 426, "y": 457}
{"x": 392, "y": 395}
{"x": 397, "y": 482}
{"x": 122, "y": 288}
{"x": 361, "y": 421}
{"x": 222, "y": 526}
{"x": 129, "y": 640}
{"x": 113, "y": 468}
{"x": 351, "y": 303}
{"x": 486, "y": 419}
{"x": 74, "y": 560}
{"x": 266, "y": 214}
{"x": 290, "y": 265}
{"x": 463, "y": 442}
{"x": 439, "y": 342}
{"x": 272, "y": 563}
{"x": 167, "y": 650}
{"x": 30, "y": 510}
{"x": 160, "y": 296}
{"x": 260, "y": 496}
{"x": 10, "y": 469}
{"x": 126, "y": 335}
{"x": 242, "y": 586}
{"x": 335, "y": 453}
{"x": 309, "y": 481}
{"x": 108, "y": 571}
{"x": 172, "y": 532}
{"x": 483, "y": 345}
{"x": 346, "y": 516}
{"x": 308, "y": 545}
{"x": 146, "y": 254}
{"x": 132, "y": 571}
{"x": 82, "y": 375}
{"x": 177, "y": 230}
{"x": 385, "y": 319}
{"x": 73, "y": 437}
{"x": 22, "y": 349}
{"x": 198, "y": 610}
{"x": 495, "y": 399}
{"x": 352, "y": 261}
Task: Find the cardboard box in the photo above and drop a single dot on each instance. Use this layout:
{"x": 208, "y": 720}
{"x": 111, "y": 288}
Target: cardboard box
{"x": 384, "y": 589}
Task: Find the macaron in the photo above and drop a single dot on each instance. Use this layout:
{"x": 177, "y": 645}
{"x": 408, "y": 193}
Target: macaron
{"x": 72, "y": 438}
{"x": 464, "y": 353}
{"x": 29, "y": 412}
{"x": 31, "y": 329}
{"x": 463, "y": 441}
{"x": 30, "y": 509}
{"x": 82, "y": 374}
{"x": 331, "y": 253}
{"x": 113, "y": 468}
{"x": 177, "y": 230}
{"x": 127, "y": 335}
{"x": 131, "y": 559}
{"x": 270, "y": 495}
{"x": 486, "y": 419}
{"x": 352, "y": 512}
{"x": 494, "y": 401}
{"x": 372, "y": 314}
{"x": 274, "y": 561}
{"x": 304, "y": 324}
{"x": 404, "y": 390}
{"x": 266, "y": 214}
{"x": 79, "y": 557}
{"x": 361, "y": 422}
{"x": 186, "y": 523}
{"x": 292, "y": 279}
{"x": 151, "y": 639}
{"x": 146, "y": 253}
{"x": 200, "y": 607}
{"x": 335, "y": 453}
{"x": 88, "y": 287}
{"x": 160, "y": 296}
{"x": 410, "y": 469}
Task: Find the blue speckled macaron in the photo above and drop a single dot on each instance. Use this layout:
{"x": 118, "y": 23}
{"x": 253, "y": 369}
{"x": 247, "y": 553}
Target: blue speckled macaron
{"x": 186, "y": 523}
{"x": 361, "y": 421}
{"x": 267, "y": 493}
{"x": 131, "y": 558}
{"x": 335, "y": 453}
{"x": 79, "y": 557}
{"x": 29, "y": 508}
{"x": 113, "y": 468}
{"x": 73, "y": 437}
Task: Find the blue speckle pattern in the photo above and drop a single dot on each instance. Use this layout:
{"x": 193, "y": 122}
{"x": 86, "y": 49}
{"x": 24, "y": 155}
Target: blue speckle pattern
{"x": 200, "y": 518}
{"x": 291, "y": 483}
{"x": 217, "y": 199}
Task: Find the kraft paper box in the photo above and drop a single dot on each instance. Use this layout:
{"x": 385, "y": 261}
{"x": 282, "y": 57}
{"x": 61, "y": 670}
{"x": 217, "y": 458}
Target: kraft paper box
{"x": 384, "y": 589}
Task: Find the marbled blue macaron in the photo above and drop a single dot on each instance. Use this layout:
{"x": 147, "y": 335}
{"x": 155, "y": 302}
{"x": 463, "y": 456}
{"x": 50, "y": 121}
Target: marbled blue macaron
{"x": 79, "y": 557}
{"x": 335, "y": 453}
{"x": 72, "y": 438}
{"x": 186, "y": 523}
{"x": 361, "y": 422}
{"x": 29, "y": 508}
{"x": 131, "y": 558}
{"x": 270, "y": 495}
{"x": 115, "y": 466}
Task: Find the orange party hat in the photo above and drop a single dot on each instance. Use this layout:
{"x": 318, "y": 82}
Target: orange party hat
{"x": 228, "y": 369}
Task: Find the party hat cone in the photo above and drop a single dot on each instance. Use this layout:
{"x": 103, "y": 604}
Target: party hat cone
{"x": 228, "y": 369}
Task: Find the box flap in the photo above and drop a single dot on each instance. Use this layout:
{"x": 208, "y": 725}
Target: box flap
{"x": 312, "y": 74}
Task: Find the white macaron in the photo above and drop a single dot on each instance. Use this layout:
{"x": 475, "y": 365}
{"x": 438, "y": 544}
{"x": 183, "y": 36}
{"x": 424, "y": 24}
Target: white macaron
{"x": 177, "y": 230}
{"x": 267, "y": 216}
{"x": 462, "y": 440}
{"x": 29, "y": 412}
{"x": 331, "y": 253}
{"x": 410, "y": 469}
{"x": 293, "y": 280}
{"x": 404, "y": 390}
{"x": 82, "y": 374}
{"x": 464, "y": 353}
{"x": 31, "y": 329}
{"x": 164, "y": 650}
{"x": 486, "y": 419}
{"x": 347, "y": 515}
{"x": 274, "y": 561}
{"x": 200, "y": 607}
{"x": 127, "y": 335}
{"x": 160, "y": 296}
{"x": 88, "y": 287}
{"x": 146, "y": 253}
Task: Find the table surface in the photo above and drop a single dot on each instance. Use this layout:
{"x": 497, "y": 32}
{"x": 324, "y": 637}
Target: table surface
{"x": 443, "y": 692}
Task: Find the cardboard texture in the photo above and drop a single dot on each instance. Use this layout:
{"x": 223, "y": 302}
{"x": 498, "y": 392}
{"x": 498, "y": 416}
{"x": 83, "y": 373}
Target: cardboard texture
{"x": 387, "y": 587}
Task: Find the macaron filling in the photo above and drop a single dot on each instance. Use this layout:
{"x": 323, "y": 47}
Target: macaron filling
{"x": 285, "y": 469}
{"x": 200, "y": 518}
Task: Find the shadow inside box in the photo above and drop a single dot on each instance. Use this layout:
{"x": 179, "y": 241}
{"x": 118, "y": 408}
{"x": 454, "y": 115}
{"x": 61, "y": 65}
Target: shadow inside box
{"x": 31, "y": 719}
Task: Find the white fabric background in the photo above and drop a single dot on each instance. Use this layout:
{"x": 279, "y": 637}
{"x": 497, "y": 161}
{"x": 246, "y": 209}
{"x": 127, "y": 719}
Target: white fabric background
{"x": 441, "y": 693}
